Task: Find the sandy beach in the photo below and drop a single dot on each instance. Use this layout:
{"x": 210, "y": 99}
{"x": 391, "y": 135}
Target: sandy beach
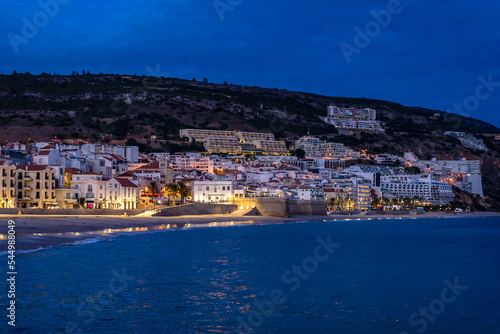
{"x": 35, "y": 231}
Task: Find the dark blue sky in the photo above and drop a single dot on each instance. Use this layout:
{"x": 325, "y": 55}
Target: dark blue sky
{"x": 425, "y": 53}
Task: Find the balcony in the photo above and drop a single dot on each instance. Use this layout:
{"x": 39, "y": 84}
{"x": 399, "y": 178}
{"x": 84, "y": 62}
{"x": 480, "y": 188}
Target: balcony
{"x": 89, "y": 195}
{"x": 24, "y": 198}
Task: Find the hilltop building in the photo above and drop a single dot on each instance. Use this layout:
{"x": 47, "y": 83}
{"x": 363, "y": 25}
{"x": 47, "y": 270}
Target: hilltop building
{"x": 318, "y": 148}
{"x": 468, "y": 140}
{"x": 353, "y": 118}
{"x": 235, "y": 142}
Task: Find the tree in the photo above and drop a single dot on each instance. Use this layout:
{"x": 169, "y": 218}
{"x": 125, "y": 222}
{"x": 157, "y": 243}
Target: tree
{"x": 300, "y": 153}
{"x": 413, "y": 170}
{"x": 172, "y": 191}
{"x": 205, "y": 80}
{"x": 153, "y": 188}
{"x": 385, "y": 202}
{"x": 81, "y": 201}
{"x": 349, "y": 202}
{"x": 184, "y": 191}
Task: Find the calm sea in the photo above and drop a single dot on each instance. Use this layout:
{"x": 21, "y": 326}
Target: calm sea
{"x": 385, "y": 276}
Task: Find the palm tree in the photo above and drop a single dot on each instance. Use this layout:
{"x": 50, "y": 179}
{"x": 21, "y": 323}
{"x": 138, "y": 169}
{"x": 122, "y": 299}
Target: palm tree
{"x": 153, "y": 187}
{"x": 183, "y": 190}
{"x": 172, "y": 190}
{"x": 348, "y": 201}
{"x": 385, "y": 202}
{"x": 330, "y": 202}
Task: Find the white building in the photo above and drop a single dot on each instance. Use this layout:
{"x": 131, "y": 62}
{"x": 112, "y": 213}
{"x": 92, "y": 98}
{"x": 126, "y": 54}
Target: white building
{"x": 462, "y": 166}
{"x": 353, "y": 118}
{"x": 313, "y": 146}
{"x": 192, "y": 161}
{"x": 48, "y": 155}
{"x": 91, "y": 187}
{"x": 212, "y": 191}
{"x": 431, "y": 191}
{"x": 468, "y": 140}
{"x": 121, "y": 193}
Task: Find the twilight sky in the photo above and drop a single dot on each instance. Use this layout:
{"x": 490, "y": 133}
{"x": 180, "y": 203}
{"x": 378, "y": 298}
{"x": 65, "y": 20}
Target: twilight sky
{"x": 444, "y": 56}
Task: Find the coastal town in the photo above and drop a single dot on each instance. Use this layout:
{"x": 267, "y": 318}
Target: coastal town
{"x": 237, "y": 167}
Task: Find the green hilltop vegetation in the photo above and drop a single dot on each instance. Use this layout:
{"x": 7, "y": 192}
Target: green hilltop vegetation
{"x": 149, "y": 111}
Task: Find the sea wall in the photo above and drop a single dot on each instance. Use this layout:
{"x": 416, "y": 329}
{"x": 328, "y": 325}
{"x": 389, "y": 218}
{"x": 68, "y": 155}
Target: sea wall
{"x": 271, "y": 207}
{"x": 198, "y": 209}
{"x": 281, "y": 207}
{"x": 306, "y": 208}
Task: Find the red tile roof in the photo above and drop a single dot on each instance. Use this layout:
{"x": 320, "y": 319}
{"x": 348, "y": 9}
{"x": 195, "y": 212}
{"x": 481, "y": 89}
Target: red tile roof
{"x": 116, "y": 156}
{"x": 72, "y": 170}
{"x": 32, "y": 167}
{"x": 126, "y": 183}
{"x": 153, "y": 165}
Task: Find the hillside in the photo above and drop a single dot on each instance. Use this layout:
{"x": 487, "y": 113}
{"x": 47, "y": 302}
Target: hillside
{"x": 119, "y": 107}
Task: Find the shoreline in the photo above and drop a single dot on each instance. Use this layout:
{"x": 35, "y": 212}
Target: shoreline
{"x": 35, "y": 231}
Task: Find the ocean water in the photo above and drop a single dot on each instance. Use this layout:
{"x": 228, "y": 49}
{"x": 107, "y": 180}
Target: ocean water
{"x": 383, "y": 276}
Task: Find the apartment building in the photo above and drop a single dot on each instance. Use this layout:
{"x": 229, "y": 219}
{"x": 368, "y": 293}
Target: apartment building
{"x": 200, "y": 135}
{"x": 35, "y": 186}
{"x": 308, "y": 194}
{"x": 222, "y": 144}
{"x": 251, "y": 136}
{"x": 192, "y": 161}
{"x": 431, "y": 191}
{"x": 468, "y": 140}
{"x": 235, "y": 142}
{"x": 353, "y": 118}
{"x": 313, "y": 146}
{"x": 271, "y": 146}
{"x": 121, "y": 193}
{"x": 462, "y": 166}
{"x": 91, "y": 187}
{"x": 8, "y": 174}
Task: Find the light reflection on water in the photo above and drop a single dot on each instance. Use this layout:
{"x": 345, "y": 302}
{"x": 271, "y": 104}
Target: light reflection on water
{"x": 201, "y": 280}
{"x": 38, "y": 241}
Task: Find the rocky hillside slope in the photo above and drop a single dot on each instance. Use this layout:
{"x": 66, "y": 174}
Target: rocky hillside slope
{"x": 151, "y": 110}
